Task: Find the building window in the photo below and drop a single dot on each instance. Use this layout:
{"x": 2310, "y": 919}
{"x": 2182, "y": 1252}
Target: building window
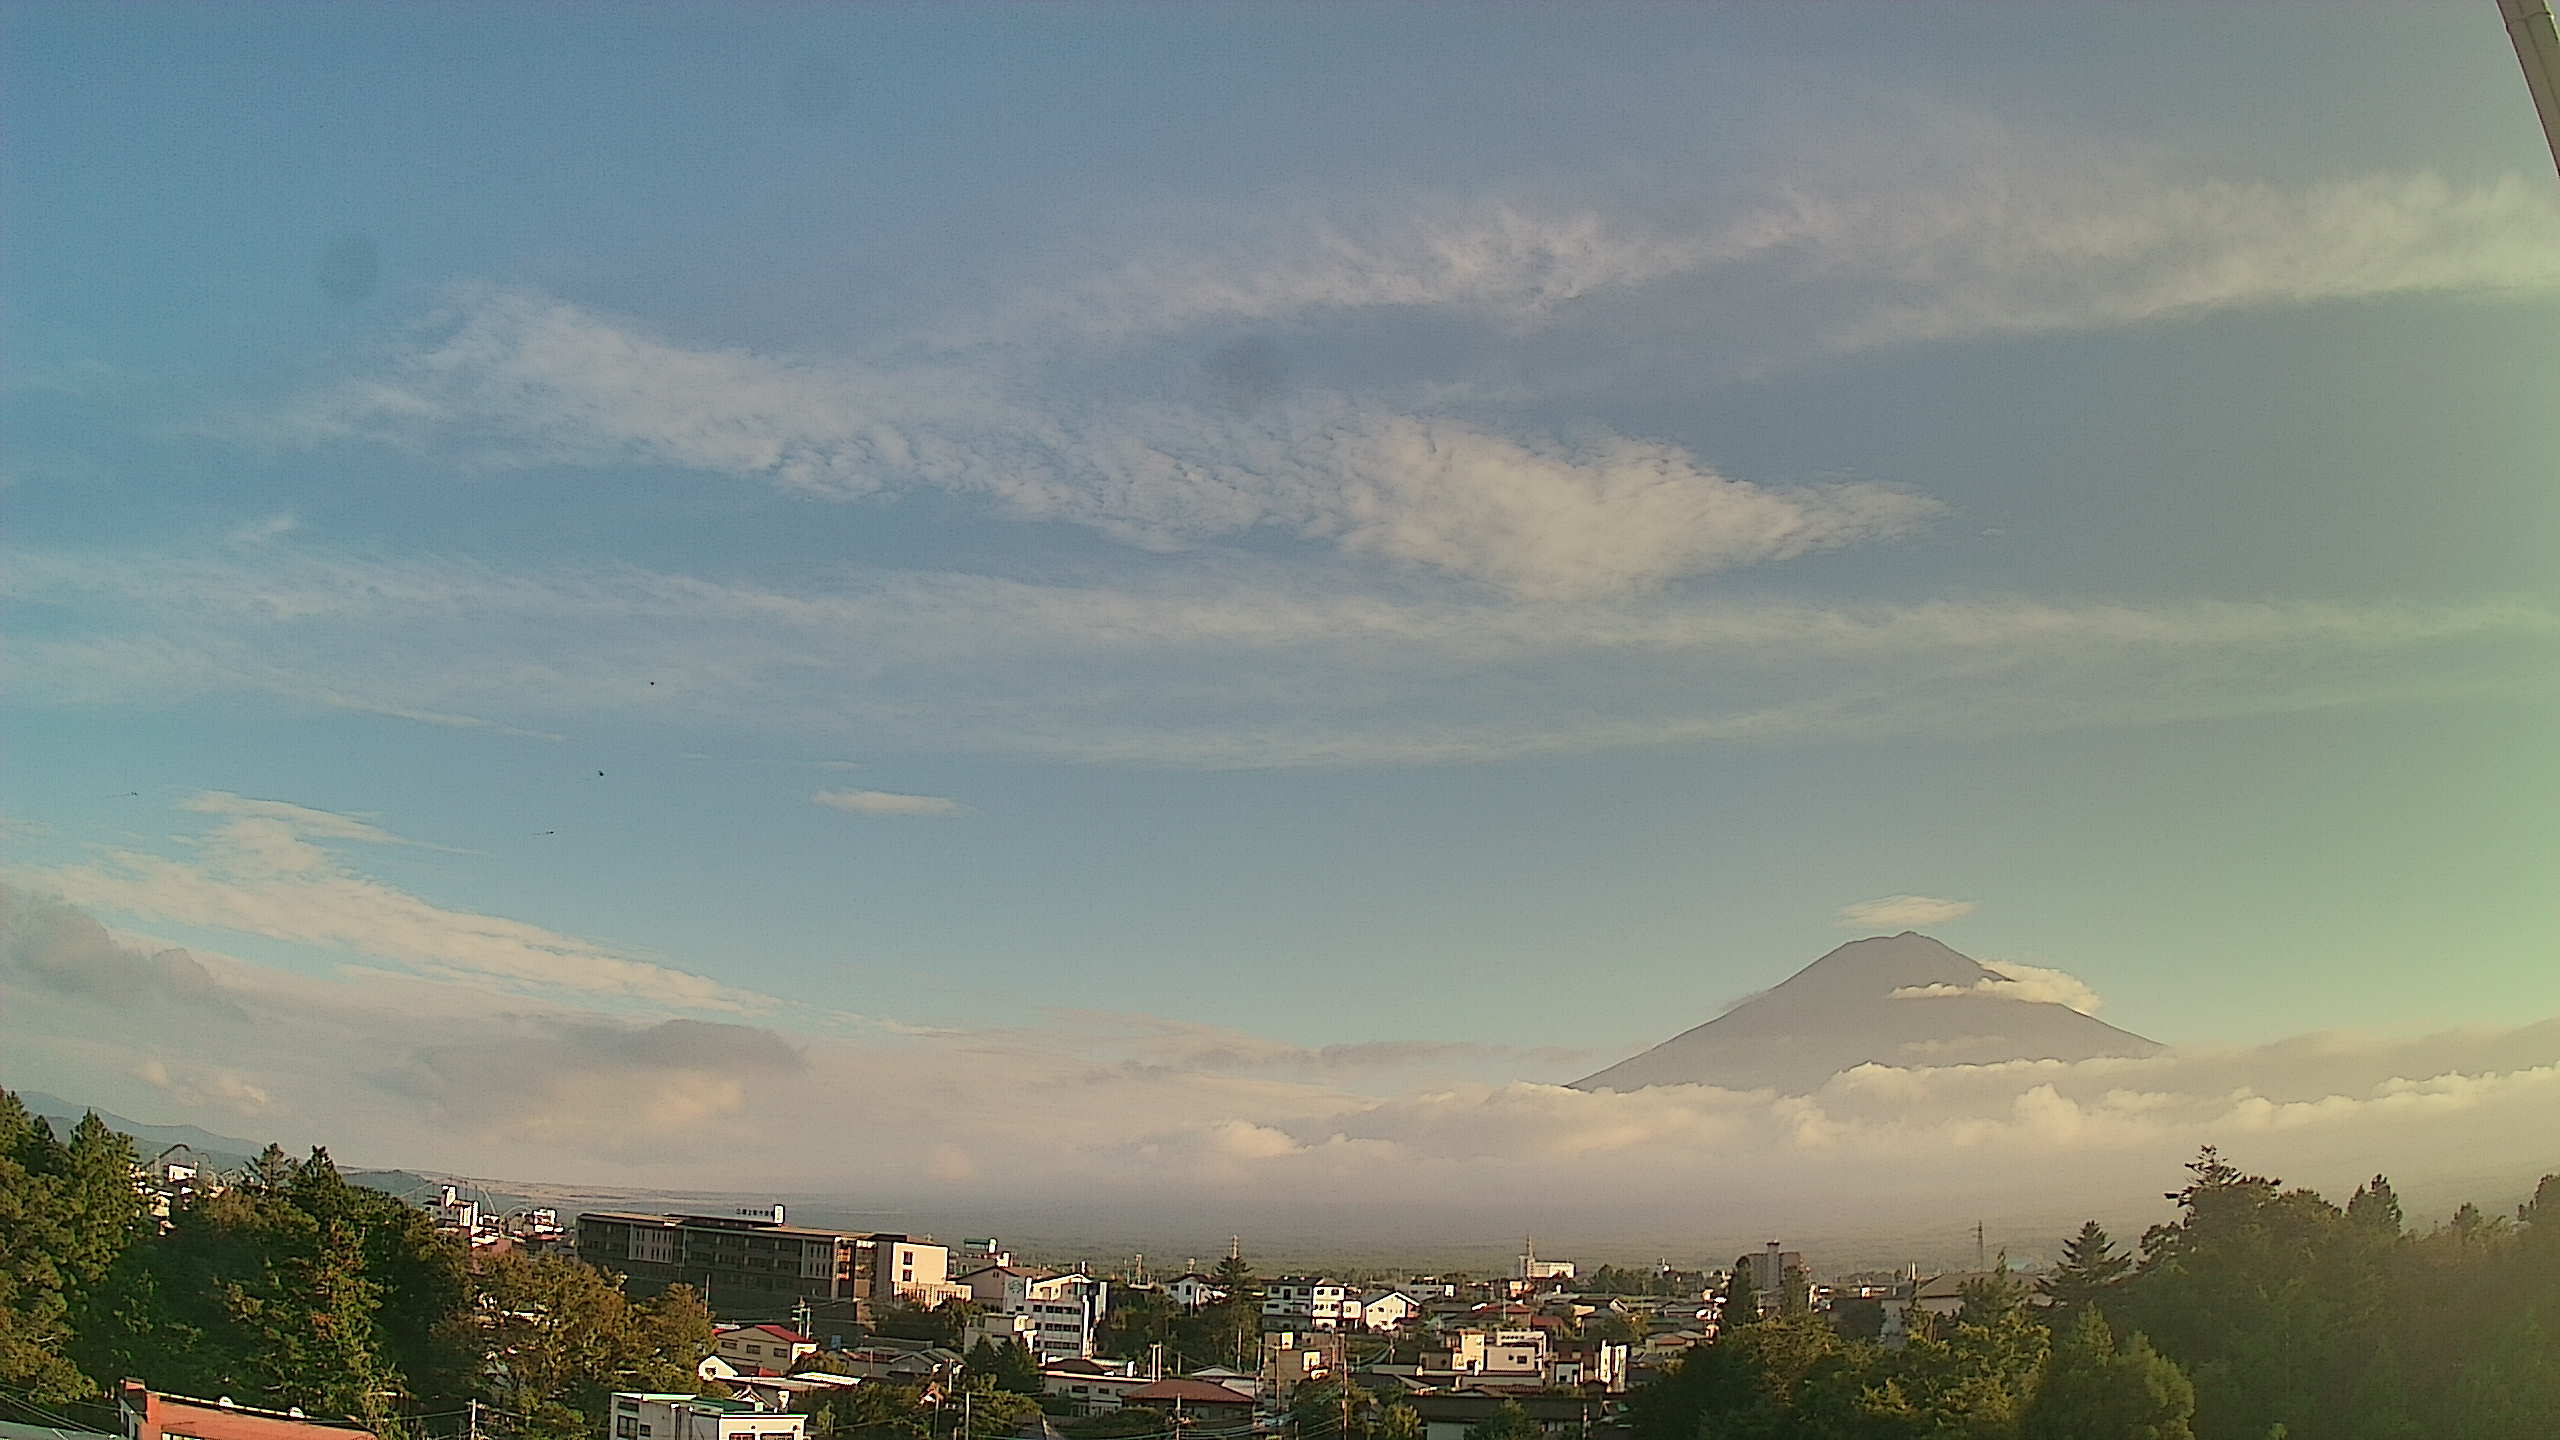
{"x": 626, "y": 1427}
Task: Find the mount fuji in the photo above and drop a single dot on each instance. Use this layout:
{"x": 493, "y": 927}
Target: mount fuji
{"x": 1903, "y": 1000}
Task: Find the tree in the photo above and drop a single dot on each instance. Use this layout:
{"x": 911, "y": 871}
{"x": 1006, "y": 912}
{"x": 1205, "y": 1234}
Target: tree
{"x": 551, "y": 1329}
{"x": 1399, "y": 1422}
{"x": 2089, "y": 1266}
{"x": 2094, "y": 1389}
{"x": 2375, "y": 1208}
{"x": 1138, "y": 1317}
{"x": 1507, "y": 1422}
{"x": 34, "y": 1306}
{"x": 988, "y": 1413}
{"x": 1328, "y": 1406}
{"x": 1230, "y": 1327}
{"x": 878, "y": 1411}
{"x": 1741, "y": 1303}
{"x": 1005, "y": 1365}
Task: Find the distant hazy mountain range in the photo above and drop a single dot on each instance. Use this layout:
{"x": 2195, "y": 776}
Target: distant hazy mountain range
{"x": 1893, "y": 1000}
{"x": 150, "y": 1140}
{"x": 228, "y": 1152}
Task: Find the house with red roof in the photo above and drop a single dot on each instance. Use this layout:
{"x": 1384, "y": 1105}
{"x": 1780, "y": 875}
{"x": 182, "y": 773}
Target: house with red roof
{"x": 761, "y": 1349}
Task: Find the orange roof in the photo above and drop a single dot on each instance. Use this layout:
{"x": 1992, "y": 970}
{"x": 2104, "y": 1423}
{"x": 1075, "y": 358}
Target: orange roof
{"x": 215, "y": 1422}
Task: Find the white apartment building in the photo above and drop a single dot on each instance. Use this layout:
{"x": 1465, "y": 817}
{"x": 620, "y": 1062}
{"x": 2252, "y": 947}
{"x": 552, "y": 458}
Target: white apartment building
{"x": 1055, "y": 1315}
{"x": 644, "y": 1415}
{"x": 1317, "y": 1303}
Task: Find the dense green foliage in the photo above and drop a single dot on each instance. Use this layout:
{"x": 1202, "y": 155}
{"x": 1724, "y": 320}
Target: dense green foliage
{"x": 1004, "y": 1365}
{"x": 2257, "y": 1311}
{"x": 1653, "y": 1280}
{"x": 294, "y": 1288}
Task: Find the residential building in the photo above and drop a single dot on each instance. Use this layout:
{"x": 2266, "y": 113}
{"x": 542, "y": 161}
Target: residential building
{"x": 454, "y": 1211}
{"x": 1291, "y": 1358}
{"x": 753, "y": 1265}
{"x": 146, "y": 1414}
{"x": 1213, "y": 1405}
{"x": 800, "y": 1394}
{"x": 904, "y": 1267}
{"x": 903, "y": 1362}
{"x": 1306, "y": 1301}
{"x": 1384, "y": 1309}
{"x": 647, "y": 1415}
{"x": 741, "y": 1266}
{"x": 1518, "y": 1356}
{"x": 1449, "y": 1415}
{"x": 978, "y": 1253}
{"x": 762, "y": 1349}
{"x": 1192, "y": 1290}
{"x": 1092, "y": 1386}
{"x": 1064, "y": 1309}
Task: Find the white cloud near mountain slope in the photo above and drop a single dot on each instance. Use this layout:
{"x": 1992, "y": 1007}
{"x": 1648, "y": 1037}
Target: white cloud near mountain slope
{"x": 1200, "y": 664}
{"x": 2016, "y": 981}
{"x": 1162, "y": 1117}
{"x": 263, "y": 874}
{"x": 524, "y": 379}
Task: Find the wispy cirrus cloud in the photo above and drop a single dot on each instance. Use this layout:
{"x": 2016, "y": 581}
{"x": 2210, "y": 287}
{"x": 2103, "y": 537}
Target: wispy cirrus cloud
{"x": 889, "y": 803}
{"x": 263, "y": 872}
{"x": 1973, "y": 230}
{"x": 1207, "y": 665}
{"x": 524, "y": 379}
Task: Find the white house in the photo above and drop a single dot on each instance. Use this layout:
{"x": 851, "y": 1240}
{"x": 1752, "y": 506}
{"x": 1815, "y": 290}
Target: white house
{"x": 643, "y": 1415}
{"x": 1092, "y": 1385}
{"x": 1385, "y": 1309}
{"x": 1319, "y": 1303}
{"x": 761, "y": 1349}
{"x": 1193, "y": 1290}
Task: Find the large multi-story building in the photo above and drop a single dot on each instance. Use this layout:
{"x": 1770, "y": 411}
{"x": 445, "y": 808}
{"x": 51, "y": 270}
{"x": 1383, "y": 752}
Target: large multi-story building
{"x": 1053, "y": 1315}
{"x": 1780, "y": 1279}
{"x": 752, "y": 1266}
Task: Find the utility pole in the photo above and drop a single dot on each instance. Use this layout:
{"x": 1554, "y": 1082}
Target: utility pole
{"x": 2537, "y": 41}
{"x": 474, "y": 1431}
{"x": 1981, "y": 1256}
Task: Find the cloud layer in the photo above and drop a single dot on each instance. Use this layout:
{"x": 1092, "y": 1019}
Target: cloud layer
{"x": 1168, "y": 1122}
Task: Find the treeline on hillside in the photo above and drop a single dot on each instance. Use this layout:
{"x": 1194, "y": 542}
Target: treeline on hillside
{"x": 2259, "y": 1313}
{"x": 1659, "y": 1282}
{"x": 295, "y": 1288}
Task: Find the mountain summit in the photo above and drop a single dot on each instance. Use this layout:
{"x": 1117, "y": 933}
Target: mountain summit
{"x": 1891, "y": 1000}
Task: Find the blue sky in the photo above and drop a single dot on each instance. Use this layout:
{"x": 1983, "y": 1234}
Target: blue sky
{"x": 1481, "y": 530}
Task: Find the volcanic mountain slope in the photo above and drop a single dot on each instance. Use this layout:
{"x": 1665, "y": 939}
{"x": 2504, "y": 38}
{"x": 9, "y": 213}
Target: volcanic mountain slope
{"x": 1892, "y": 1000}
